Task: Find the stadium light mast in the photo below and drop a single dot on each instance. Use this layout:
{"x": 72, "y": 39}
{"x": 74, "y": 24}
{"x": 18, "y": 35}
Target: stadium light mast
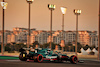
{"x": 76, "y": 12}
{"x": 51, "y": 8}
{"x": 63, "y": 10}
{"x": 99, "y": 34}
{"x": 4, "y": 6}
{"x": 28, "y": 40}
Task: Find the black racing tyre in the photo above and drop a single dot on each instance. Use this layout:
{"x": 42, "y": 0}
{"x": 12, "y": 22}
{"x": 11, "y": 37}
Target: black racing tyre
{"x": 22, "y": 57}
{"x": 39, "y": 58}
{"x": 73, "y": 59}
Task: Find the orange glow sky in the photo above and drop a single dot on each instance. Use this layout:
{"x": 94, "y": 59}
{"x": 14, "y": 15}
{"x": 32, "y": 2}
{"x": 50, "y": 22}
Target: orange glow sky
{"x": 16, "y": 14}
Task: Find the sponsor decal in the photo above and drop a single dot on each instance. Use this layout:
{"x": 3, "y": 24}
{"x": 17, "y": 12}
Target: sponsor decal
{"x": 51, "y": 57}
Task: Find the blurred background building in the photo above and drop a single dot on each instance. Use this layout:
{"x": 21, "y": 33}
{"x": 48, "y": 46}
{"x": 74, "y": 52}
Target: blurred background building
{"x": 19, "y": 35}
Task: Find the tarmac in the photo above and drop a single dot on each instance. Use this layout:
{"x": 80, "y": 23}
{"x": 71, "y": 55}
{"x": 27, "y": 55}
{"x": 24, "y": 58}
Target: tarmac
{"x": 9, "y": 57}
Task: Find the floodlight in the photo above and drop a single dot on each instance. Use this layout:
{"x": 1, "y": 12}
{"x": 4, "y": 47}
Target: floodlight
{"x": 4, "y": 5}
{"x": 30, "y": 1}
{"x": 63, "y": 9}
{"x": 51, "y": 6}
{"x": 77, "y": 11}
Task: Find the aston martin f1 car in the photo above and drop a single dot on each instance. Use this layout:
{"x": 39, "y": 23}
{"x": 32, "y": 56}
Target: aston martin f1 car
{"x": 40, "y": 55}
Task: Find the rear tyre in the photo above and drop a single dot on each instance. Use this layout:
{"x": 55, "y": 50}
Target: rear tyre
{"x": 73, "y": 59}
{"x": 22, "y": 56}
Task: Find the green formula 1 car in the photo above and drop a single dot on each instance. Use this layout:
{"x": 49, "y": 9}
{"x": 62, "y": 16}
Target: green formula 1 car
{"x": 40, "y": 55}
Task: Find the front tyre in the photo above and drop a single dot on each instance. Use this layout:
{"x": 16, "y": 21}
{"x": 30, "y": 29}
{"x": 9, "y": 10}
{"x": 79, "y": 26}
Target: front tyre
{"x": 39, "y": 58}
{"x": 73, "y": 59}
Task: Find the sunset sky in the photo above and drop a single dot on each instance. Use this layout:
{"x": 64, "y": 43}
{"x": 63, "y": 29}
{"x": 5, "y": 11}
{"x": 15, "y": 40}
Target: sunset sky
{"x": 16, "y": 14}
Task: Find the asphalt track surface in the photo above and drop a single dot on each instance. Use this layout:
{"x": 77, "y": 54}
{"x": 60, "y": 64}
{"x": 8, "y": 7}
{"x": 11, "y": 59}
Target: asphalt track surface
{"x": 18, "y": 63}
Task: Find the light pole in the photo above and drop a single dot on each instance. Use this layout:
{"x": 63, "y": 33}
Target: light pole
{"x": 63, "y": 10}
{"x": 76, "y": 12}
{"x": 51, "y": 8}
{"x": 4, "y": 5}
{"x": 99, "y": 34}
{"x": 30, "y": 2}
